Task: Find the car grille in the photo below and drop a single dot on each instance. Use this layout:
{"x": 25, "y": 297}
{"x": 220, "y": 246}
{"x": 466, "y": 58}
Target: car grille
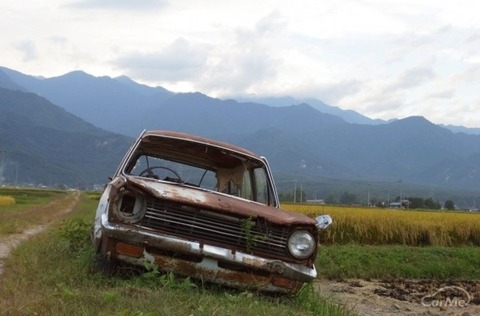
{"x": 213, "y": 228}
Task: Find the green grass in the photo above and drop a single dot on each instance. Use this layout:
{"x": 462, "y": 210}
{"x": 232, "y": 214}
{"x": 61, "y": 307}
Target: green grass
{"x": 32, "y": 207}
{"x": 57, "y": 274}
{"x": 27, "y": 197}
{"x": 389, "y": 262}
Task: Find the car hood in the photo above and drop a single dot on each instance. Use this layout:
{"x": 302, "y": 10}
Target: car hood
{"x": 224, "y": 203}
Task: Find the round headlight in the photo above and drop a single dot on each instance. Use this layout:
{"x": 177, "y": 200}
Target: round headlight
{"x": 301, "y": 244}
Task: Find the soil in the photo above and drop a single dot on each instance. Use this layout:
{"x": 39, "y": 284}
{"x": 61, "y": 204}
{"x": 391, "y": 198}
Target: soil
{"x": 10, "y": 242}
{"x": 405, "y": 297}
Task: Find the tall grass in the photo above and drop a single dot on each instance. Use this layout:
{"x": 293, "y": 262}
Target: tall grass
{"x": 31, "y": 207}
{"x": 6, "y": 200}
{"x": 372, "y": 226}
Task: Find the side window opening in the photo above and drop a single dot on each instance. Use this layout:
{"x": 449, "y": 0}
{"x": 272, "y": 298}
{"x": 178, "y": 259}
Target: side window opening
{"x": 261, "y": 186}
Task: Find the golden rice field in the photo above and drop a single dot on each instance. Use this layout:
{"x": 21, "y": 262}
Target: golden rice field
{"x": 376, "y": 226}
{"x": 6, "y": 200}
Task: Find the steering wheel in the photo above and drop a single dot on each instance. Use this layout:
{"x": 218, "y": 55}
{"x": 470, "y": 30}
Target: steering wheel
{"x": 149, "y": 173}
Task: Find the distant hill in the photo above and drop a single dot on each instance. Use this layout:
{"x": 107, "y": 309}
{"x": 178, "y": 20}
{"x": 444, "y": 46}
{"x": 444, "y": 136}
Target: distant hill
{"x": 302, "y": 143}
{"x": 110, "y": 104}
{"x": 347, "y": 115}
{"x": 46, "y": 145}
{"x": 411, "y": 149}
{"x": 462, "y": 129}
{"x": 8, "y": 83}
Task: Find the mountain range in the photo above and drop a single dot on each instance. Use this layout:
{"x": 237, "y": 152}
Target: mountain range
{"x": 73, "y": 129}
{"x": 42, "y": 144}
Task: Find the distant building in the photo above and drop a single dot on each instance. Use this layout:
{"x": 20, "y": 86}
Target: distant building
{"x": 395, "y": 205}
{"x": 402, "y": 204}
{"x": 319, "y": 201}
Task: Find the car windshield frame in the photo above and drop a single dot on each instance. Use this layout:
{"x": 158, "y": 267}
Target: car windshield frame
{"x": 229, "y": 172}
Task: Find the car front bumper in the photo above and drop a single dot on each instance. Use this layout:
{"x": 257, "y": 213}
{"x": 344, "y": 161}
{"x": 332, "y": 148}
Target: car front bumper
{"x": 215, "y": 264}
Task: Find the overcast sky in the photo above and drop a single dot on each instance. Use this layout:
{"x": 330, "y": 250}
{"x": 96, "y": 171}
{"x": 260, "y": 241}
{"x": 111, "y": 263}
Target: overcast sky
{"x": 385, "y": 59}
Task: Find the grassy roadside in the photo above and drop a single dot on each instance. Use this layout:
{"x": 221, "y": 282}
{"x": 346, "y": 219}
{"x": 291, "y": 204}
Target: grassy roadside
{"x": 32, "y": 207}
{"x": 56, "y": 274}
{"x": 397, "y": 261}
{"x": 26, "y": 198}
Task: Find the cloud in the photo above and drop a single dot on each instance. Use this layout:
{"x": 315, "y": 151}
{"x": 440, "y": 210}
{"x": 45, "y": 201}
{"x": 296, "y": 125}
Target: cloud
{"x": 181, "y": 61}
{"x": 28, "y": 49}
{"x": 241, "y": 60}
{"x": 471, "y": 74}
{"x": 331, "y": 93}
{"x": 441, "y": 94}
{"x": 270, "y": 24}
{"x": 239, "y": 72}
{"x": 119, "y": 4}
{"x": 390, "y": 97}
{"x": 411, "y": 78}
{"x": 249, "y": 62}
{"x": 472, "y": 38}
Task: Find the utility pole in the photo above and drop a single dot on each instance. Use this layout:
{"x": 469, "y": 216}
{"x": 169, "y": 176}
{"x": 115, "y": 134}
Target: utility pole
{"x": 3, "y": 153}
{"x": 301, "y": 193}
{"x": 295, "y": 192}
{"x": 368, "y": 197}
{"x": 16, "y": 174}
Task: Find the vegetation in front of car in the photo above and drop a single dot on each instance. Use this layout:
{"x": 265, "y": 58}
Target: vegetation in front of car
{"x": 251, "y": 238}
{"x": 58, "y": 273}
{"x": 398, "y": 262}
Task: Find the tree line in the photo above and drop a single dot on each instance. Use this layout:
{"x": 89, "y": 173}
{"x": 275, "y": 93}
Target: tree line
{"x": 347, "y": 198}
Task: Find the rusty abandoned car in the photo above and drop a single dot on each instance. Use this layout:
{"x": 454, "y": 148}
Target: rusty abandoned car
{"x": 207, "y": 210}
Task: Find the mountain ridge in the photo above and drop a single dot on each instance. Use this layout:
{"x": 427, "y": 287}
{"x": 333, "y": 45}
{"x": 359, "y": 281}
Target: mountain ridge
{"x": 46, "y": 145}
{"x": 300, "y": 141}
{"x": 151, "y": 96}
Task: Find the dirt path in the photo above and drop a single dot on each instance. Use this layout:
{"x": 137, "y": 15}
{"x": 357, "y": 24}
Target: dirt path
{"x": 10, "y": 242}
{"x": 405, "y": 297}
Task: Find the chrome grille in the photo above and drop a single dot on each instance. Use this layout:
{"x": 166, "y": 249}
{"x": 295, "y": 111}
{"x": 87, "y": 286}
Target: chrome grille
{"x": 213, "y": 228}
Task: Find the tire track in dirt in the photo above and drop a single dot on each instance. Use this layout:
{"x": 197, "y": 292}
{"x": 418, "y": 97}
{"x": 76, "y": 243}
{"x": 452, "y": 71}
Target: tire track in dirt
{"x": 10, "y": 242}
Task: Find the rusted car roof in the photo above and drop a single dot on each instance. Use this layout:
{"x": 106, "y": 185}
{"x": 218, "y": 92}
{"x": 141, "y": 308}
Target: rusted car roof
{"x": 208, "y": 141}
